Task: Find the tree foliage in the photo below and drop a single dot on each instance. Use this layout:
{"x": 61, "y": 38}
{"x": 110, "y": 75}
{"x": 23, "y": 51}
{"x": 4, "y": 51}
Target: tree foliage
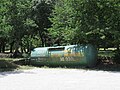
{"x": 5, "y": 28}
{"x": 40, "y": 14}
{"x": 86, "y": 21}
{"x": 62, "y": 18}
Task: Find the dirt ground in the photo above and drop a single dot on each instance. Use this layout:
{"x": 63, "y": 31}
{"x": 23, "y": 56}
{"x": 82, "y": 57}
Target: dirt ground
{"x": 59, "y": 79}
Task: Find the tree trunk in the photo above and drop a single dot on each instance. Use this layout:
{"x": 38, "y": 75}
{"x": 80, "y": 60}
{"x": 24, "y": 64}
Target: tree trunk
{"x": 11, "y": 47}
{"x": 17, "y": 54}
{"x": 104, "y": 49}
{"x": 28, "y": 46}
{"x": 42, "y": 39}
{"x": 118, "y": 47}
{"x": 3, "y": 47}
{"x": 21, "y": 49}
{"x": 24, "y": 49}
{"x": 17, "y": 46}
{"x": 0, "y": 48}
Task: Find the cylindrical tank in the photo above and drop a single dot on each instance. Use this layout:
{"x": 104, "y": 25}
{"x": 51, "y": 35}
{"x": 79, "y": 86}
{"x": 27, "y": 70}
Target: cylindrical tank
{"x": 71, "y": 55}
{"x": 91, "y": 54}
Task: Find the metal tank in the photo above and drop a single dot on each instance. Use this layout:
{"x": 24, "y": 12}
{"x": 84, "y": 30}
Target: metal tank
{"x": 71, "y": 55}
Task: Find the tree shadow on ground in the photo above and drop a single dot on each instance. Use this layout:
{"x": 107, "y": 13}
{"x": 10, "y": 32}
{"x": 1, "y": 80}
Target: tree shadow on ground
{"x": 107, "y": 67}
{"x": 7, "y": 65}
{"x": 3, "y": 74}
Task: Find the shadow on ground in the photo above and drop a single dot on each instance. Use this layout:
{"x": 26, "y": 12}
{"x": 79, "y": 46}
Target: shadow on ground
{"x": 3, "y": 74}
{"x": 107, "y": 67}
{"x": 7, "y": 65}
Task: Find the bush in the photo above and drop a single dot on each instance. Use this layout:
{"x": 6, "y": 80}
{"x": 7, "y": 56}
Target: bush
{"x": 116, "y": 57}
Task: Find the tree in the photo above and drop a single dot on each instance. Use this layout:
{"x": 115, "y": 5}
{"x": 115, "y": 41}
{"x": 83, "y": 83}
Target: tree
{"x": 18, "y": 13}
{"x": 30, "y": 36}
{"x": 16, "y": 27}
{"x": 92, "y": 21}
{"x": 41, "y": 12}
{"x": 63, "y": 24}
{"x": 5, "y": 28}
{"x": 99, "y": 18}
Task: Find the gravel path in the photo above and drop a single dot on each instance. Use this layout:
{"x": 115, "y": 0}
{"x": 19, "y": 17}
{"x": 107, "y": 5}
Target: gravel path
{"x": 59, "y": 79}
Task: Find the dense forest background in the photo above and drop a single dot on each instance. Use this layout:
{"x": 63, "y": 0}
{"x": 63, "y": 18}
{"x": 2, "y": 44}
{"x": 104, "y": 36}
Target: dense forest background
{"x": 25, "y": 24}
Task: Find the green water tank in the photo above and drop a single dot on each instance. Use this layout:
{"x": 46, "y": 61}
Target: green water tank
{"x": 65, "y": 55}
{"x": 91, "y": 54}
{"x": 39, "y": 52}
